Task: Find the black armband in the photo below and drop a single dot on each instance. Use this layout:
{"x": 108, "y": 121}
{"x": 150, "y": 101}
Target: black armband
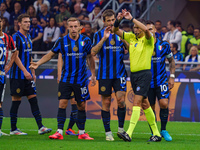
{"x": 132, "y": 20}
{"x": 116, "y": 24}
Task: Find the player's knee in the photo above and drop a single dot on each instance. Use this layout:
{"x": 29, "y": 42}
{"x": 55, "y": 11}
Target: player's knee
{"x": 121, "y": 103}
{"x": 163, "y": 104}
{"x": 138, "y": 100}
{"x": 81, "y": 106}
{"x": 144, "y": 106}
{"x": 73, "y": 101}
{"x": 106, "y": 101}
{"x": 153, "y": 107}
{"x": 63, "y": 104}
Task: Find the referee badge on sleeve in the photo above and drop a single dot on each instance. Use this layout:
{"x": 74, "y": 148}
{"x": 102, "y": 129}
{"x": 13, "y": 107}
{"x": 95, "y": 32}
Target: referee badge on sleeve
{"x": 138, "y": 88}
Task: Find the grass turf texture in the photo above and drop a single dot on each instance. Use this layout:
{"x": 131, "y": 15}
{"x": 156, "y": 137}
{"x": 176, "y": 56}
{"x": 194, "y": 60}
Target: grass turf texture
{"x": 185, "y": 135}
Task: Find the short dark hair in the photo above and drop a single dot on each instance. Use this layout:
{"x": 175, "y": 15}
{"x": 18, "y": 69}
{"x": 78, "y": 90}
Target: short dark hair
{"x": 175, "y": 45}
{"x": 88, "y": 23}
{"x": 97, "y": 5}
{"x": 149, "y": 22}
{"x": 20, "y": 17}
{"x": 108, "y": 13}
{"x": 178, "y": 23}
{"x": 142, "y": 21}
{"x": 190, "y": 25}
{"x": 172, "y": 22}
{"x": 158, "y": 21}
{"x": 164, "y": 27}
{"x": 4, "y": 4}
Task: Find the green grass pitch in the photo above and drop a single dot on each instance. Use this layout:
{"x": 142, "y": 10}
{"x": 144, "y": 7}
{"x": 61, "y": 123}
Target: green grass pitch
{"x": 186, "y": 136}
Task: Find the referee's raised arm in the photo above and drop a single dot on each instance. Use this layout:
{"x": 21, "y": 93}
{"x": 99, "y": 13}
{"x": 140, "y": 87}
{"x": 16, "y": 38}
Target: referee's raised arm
{"x": 128, "y": 16}
{"x": 116, "y": 29}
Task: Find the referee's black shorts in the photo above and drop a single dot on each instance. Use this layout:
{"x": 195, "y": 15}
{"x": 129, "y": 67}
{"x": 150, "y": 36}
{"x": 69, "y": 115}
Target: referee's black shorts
{"x": 140, "y": 82}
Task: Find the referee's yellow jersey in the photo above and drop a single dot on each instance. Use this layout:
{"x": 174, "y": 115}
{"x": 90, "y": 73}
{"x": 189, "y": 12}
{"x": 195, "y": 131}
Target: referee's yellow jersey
{"x": 140, "y": 51}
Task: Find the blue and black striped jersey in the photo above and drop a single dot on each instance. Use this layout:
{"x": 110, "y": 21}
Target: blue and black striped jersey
{"x": 34, "y": 31}
{"x": 161, "y": 51}
{"x": 24, "y": 46}
{"x": 74, "y": 54}
{"x": 111, "y": 55}
{"x": 178, "y": 57}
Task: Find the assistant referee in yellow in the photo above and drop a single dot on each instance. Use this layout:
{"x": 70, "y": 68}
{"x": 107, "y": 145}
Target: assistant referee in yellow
{"x": 141, "y": 46}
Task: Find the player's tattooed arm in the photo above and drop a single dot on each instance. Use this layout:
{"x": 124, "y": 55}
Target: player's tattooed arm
{"x": 172, "y": 71}
{"x": 97, "y": 47}
{"x": 172, "y": 66}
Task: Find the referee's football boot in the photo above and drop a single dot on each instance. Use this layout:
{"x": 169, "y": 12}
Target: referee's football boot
{"x": 155, "y": 138}
{"x": 123, "y": 135}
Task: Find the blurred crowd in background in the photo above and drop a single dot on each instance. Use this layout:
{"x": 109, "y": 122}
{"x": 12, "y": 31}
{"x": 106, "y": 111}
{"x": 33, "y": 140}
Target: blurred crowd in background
{"x": 49, "y": 22}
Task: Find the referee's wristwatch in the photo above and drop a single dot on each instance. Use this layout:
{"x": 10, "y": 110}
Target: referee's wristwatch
{"x": 172, "y": 76}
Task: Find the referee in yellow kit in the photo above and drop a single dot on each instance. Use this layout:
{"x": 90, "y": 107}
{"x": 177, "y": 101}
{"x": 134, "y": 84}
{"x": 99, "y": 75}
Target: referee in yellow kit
{"x": 141, "y": 46}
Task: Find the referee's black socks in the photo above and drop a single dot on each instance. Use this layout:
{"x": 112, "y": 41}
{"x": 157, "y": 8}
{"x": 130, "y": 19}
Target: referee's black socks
{"x": 35, "y": 111}
{"x": 13, "y": 114}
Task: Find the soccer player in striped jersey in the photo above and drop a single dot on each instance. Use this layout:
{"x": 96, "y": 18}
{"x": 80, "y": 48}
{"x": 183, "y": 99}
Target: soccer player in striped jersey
{"x": 74, "y": 109}
{"x": 111, "y": 72}
{"x": 21, "y": 78}
{"x": 6, "y": 44}
{"x": 141, "y": 45}
{"x": 159, "y": 87}
{"x": 75, "y": 49}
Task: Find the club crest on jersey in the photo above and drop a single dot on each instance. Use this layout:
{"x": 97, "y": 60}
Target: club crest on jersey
{"x": 103, "y": 88}
{"x": 112, "y": 42}
{"x": 59, "y": 94}
{"x": 75, "y": 48}
{"x": 29, "y": 45}
{"x": 160, "y": 47}
{"x": 18, "y": 90}
{"x": 82, "y": 43}
{"x": 72, "y": 94}
{"x": 136, "y": 44}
